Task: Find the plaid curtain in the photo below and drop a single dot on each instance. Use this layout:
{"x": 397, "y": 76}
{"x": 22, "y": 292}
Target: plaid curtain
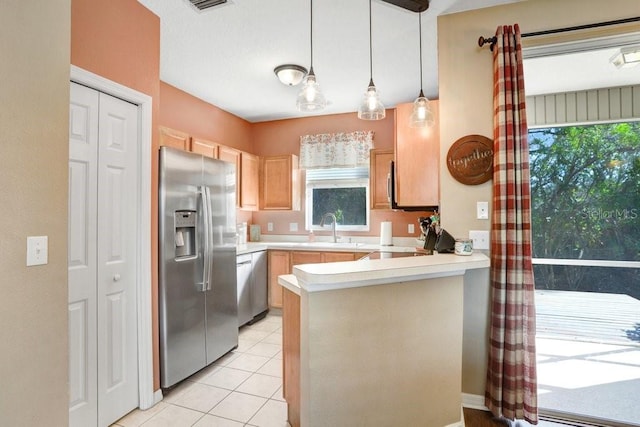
{"x": 511, "y": 375}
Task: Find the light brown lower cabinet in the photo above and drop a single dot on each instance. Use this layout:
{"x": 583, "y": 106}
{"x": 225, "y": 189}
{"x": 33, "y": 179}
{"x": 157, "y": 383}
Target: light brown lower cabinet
{"x": 282, "y": 262}
{"x": 339, "y": 256}
{"x": 291, "y": 356}
{"x": 305, "y": 257}
{"x": 278, "y": 264}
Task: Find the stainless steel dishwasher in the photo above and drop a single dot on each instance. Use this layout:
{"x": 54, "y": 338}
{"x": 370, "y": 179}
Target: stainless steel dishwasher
{"x": 243, "y": 265}
{"x": 252, "y": 286}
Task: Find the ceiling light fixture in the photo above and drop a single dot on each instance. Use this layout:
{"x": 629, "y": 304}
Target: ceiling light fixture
{"x": 310, "y": 98}
{"x": 421, "y": 115}
{"x": 371, "y": 108}
{"x": 290, "y": 74}
{"x": 627, "y": 57}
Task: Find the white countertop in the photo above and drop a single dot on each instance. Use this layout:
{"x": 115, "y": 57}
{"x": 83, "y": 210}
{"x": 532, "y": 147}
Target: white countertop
{"x": 320, "y": 246}
{"x": 352, "y": 274}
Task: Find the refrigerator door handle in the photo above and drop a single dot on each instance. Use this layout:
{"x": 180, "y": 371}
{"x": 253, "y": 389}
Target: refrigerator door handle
{"x": 209, "y": 233}
{"x": 205, "y": 236}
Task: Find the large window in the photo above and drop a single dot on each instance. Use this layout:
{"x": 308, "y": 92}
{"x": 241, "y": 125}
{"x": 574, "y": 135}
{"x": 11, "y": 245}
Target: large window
{"x": 343, "y": 192}
{"x": 585, "y": 183}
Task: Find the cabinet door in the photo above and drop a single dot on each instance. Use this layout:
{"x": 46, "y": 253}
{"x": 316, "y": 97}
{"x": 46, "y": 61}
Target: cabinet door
{"x": 174, "y": 138}
{"x": 416, "y": 159}
{"x": 232, "y": 155}
{"x": 249, "y": 170}
{"x": 379, "y": 167}
{"x": 278, "y": 264}
{"x": 338, "y": 256}
{"x": 204, "y": 147}
{"x": 279, "y": 183}
{"x": 305, "y": 257}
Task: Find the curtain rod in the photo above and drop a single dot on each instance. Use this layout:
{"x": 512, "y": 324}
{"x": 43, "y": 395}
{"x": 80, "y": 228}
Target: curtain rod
{"x": 492, "y": 40}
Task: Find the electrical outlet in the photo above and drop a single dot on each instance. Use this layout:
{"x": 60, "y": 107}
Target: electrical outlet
{"x": 480, "y": 239}
{"x": 269, "y": 226}
{"x": 482, "y": 210}
{"x": 293, "y": 226}
{"x": 411, "y": 229}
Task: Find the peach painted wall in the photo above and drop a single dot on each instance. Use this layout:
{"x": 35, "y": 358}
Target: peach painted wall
{"x": 283, "y": 137}
{"x": 120, "y": 40}
{"x": 182, "y": 111}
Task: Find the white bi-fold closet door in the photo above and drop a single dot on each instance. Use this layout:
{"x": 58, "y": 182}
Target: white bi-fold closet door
{"x": 103, "y": 154}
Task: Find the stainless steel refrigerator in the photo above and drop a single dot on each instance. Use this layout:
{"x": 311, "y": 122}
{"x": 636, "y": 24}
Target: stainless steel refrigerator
{"x": 197, "y": 263}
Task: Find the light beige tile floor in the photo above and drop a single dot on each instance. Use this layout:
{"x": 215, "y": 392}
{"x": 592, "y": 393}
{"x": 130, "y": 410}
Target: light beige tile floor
{"x": 243, "y": 388}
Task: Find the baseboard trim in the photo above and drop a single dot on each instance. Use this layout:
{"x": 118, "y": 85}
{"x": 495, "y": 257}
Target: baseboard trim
{"x": 157, "y": 396}
{"x": 473, "y": 401}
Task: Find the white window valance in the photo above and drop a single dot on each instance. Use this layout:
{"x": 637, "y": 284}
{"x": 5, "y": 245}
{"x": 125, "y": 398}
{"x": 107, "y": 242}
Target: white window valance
{"x": 336, "y": 150}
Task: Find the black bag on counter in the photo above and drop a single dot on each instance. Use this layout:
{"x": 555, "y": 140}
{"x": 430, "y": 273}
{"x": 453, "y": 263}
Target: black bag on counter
{"x": 445, "y": 243}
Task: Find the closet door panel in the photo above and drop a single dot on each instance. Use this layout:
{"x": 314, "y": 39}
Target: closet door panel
{"x": 82, "y": 268}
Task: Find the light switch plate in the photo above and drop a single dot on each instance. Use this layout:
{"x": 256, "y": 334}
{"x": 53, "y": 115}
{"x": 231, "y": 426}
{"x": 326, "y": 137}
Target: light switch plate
{"x": 293, "y": 226}
{"x": 37, "y": 250}
{"x": 480, "y": 239}
{"x": 269, "y": 226}
{"x": 411, "y": 229}
{"x": 482, "y": 210}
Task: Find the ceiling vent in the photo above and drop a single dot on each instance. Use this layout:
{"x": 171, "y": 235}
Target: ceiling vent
{"x": 412, "y": 5}
{"x": 207, "y": 4}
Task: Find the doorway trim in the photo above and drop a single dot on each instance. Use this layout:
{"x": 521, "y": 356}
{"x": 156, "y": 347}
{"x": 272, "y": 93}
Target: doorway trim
{"x": 147, "y": 397}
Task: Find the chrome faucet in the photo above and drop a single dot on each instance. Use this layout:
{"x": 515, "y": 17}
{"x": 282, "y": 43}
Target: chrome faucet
{"x": 333, "y": 225}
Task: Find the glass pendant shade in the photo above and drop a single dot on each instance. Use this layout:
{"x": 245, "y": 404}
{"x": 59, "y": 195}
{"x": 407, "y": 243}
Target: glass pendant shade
{"x": 421, "y": 116}
{"x": 310, "y": 97}
{"x": 371, "y": 107}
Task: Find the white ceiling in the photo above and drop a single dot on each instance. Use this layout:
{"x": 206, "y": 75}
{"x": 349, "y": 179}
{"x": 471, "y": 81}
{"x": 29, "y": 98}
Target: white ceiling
{"x": 576, "y": 71}
{"x": 226, "y": 55}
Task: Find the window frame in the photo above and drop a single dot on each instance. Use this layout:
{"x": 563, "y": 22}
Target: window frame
{"x": 310, "y": 185}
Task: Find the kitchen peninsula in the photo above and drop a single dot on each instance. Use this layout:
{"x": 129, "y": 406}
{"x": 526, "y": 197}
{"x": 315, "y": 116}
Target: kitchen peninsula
{"x": 375, "y": 342}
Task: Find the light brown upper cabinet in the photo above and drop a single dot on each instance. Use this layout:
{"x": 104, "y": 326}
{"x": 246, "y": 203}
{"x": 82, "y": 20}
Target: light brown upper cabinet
{"x": 249, "y": 171}
{"x": 379, "y": 167}
{"x": 232, "y": 155}
{"x": 279, "y": 183}
{"x": 174, "y": 138}
{"x": 417, "y": 152}
{"x": 204, "y": 147}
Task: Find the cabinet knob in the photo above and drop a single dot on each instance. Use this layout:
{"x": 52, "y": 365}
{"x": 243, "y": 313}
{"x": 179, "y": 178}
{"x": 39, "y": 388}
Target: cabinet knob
{"x": 116, "y": 277}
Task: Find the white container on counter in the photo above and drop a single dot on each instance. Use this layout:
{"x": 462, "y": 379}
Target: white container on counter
{"x": 463, "y": 247}
{"x": 386, "y": 236}
{"x": 241, "y": 229}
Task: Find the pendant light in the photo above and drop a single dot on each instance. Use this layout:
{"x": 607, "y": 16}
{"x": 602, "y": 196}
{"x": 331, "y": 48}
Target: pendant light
{"x": 371, "y": 108}
{"x": 310, "y": 98}
{"x": 421, "y": 115}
